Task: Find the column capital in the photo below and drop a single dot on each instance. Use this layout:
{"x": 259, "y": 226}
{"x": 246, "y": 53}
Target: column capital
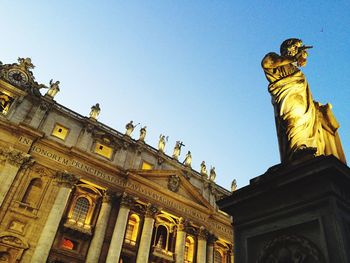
{"x": 183, "y": 223}
{"x": 107, "y": 196}
{"x": 151, "y": 210}
{"x": 66, "y": 179}
{"x": 127, "y": 200}
{"x": 16, "y": 157}
{"x": 203, "y": 233}
{"x": 211, "y": 238}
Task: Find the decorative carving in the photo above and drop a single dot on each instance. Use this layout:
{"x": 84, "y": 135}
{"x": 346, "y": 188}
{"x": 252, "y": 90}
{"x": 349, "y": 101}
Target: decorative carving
{"x": 151, "y": 210}
{"x": 305, "y": 128}
{"x": 107, "y": 196}
{"x": 290, "y": 248}
{"x": 16, "y": 157}
{"x": 13, "y": 240}
{"x": 202, "y": 233}
{"x": 183, "y": 223}
{"x": 66, "y": 179}
{"x": 174, "y": 183}
{"x": 45, "y": 106}
{"x": 127, "y": 200}
{"x": 20, "y": 75}
{"x": 211, "y": 239}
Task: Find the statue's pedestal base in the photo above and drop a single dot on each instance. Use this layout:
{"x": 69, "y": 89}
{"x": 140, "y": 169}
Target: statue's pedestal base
{"x": 299, "y": 213}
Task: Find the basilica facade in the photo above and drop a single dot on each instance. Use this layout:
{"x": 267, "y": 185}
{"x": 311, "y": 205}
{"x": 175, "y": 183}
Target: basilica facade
{"x": 75, "y": 190}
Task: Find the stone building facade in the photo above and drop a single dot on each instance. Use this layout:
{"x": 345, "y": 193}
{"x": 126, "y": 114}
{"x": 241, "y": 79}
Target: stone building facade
{"x": 75, "y": 190}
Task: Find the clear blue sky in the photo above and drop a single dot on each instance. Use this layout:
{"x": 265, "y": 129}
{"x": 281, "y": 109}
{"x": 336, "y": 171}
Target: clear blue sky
{"x": 187, "y": 69}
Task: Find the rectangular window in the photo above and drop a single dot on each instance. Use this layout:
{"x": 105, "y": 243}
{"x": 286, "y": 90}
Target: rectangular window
{"x": 103, "y": 150}
{"x": 146, "y": 166}
{"x": 60, "y": 131}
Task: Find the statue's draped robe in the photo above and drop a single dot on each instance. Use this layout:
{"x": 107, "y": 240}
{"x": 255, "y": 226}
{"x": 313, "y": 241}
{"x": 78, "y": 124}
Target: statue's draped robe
{"x": 301, "y": 122}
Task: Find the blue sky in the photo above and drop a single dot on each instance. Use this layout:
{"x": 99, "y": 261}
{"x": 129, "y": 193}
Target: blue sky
{"x": 187, "y": 69}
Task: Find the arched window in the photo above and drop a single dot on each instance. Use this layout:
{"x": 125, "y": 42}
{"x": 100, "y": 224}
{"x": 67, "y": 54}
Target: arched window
{"x": 81, "y": 209}
{"x": 218, "y": 256}
{"x": 33, "y": 192}
{"x": 189, "y": 249}
{"x": 132, "y": 229}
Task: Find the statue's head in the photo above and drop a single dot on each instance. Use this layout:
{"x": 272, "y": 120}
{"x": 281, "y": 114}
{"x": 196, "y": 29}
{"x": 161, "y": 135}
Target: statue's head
{"x": 289, "y": 47}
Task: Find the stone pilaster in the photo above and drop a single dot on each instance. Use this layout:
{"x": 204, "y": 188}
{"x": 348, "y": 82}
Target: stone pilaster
{"x": 117, "y": 240}
{"x": 202, "y": 245}
{"x": 146, "y": 236}
{"x": 100, "y": 230}
{"x": 66, "y": 182}
{"x": 180, "y": 241}
{"x": 14, "y": 161}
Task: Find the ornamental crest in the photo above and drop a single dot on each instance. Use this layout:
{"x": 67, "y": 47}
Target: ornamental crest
{"x": 174, "y": 183}
{"x": 290, "y": 249}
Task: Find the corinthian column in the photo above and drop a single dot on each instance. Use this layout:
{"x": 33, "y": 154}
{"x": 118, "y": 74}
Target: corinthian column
{"x": 210, "y": 248}
{"x": 14, "y": 161}
{"x": 146, "y": 235}
{"x": 66, "y": 182}
{"x": 100, "y": 230}
{"x": 117, "y": 240}
{"x": 202, "y": 245}
{"x": 180, "y": 241}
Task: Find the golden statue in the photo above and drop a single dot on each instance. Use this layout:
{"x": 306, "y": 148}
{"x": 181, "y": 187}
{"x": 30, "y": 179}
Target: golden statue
{"x": 95, "y": 111}
{"x": 54, "y": 89}
{"x": 304, "y": 127}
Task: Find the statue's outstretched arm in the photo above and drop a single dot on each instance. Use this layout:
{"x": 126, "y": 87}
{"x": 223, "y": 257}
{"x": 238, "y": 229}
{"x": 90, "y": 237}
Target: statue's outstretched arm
{"x": 273, "y": 60}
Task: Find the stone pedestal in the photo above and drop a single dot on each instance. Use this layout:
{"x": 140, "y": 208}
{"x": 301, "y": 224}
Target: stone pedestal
{"x": 295, "y": 213}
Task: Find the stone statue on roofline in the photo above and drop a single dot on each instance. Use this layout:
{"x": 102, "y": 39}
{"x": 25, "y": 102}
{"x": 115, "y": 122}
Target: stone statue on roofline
{"x": 95, "y": 111}
{"x": 188, "y": 159}
{"x": 54, "y": 89}
{"x": 212, "y": 174}
{"x": 161, "y": 143}
{"x": 143, "y": 132}
{"x": 129, "y": 128}
{"x": 305, "y": 128}
{"x": 204, "y": 169}
{"x": 177, "y": 149}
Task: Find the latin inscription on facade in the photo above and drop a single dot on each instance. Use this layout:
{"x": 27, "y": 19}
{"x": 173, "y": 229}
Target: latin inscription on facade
{"x": 135, "y": 187}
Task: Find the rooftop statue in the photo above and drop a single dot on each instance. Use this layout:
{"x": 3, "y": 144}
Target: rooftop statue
{"x": 129, "y": 128}
{"x": 204, "y": 169}
{"x": 304, "y": 127}
{"x": 212, "y": 174}
{"x": 161, "y": 143}
{"x": 188, "y": 159}
{"x": 143, "y": 132}
{"x": 95, "y": 111}
{"x": 54, "y": 89}
{"x": 177, "y": 149}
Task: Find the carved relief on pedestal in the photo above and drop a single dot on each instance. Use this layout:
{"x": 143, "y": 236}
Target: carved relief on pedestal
{"x": 290, "y": 248}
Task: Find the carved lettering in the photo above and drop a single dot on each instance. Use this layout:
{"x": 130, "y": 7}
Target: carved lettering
{"x": 25, "y": 141}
